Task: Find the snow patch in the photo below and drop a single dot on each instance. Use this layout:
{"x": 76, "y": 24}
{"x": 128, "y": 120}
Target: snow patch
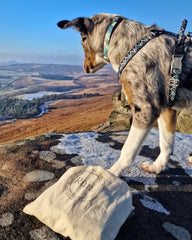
{"x": 96, "y": 153}
{"x": 153, "y": 204}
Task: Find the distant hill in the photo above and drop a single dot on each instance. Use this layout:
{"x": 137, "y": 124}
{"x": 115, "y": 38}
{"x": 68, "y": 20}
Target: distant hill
{"x": 8, "y": 63}
{"x": 42, "y": 68}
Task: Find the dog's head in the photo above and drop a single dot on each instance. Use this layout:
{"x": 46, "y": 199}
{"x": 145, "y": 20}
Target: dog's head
{"x": 92, "y": 31}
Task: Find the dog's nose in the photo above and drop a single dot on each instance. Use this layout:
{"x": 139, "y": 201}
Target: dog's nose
{"x": 87, "y": 69}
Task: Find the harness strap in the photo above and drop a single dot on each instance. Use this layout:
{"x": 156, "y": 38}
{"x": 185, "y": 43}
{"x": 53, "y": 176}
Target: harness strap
{"x": 176, "y": 64}
{"x": 135, "y": 49}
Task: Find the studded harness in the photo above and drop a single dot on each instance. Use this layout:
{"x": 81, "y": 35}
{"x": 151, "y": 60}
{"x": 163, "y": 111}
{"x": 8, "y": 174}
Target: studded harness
{"x": 176, "y": 64}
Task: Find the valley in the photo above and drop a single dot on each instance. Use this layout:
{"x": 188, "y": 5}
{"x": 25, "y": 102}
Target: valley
{"x": 78, "y": 113}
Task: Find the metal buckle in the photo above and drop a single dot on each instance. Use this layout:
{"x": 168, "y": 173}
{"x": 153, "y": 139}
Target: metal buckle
{"x": 176, "y": 65}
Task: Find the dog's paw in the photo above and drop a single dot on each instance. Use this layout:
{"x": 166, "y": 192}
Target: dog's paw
{"x": 190, "y": 159}
{"x": 149, "y": 167}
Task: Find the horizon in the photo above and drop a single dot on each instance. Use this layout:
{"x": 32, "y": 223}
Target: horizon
{"x": 29, "y": 32}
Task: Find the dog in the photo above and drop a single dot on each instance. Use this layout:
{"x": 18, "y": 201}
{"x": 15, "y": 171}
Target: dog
{"x": 145, "y": 80}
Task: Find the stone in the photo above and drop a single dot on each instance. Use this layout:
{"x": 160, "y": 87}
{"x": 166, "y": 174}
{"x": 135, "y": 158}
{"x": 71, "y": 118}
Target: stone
{"x": 43, "y": 233}
{"x": 38, "y": 176}
{"x": 57, "y": 150}
{"x": 58, "y": 164}
{"x": 35, "y": 152}
{"x": 47, "y": 156}
{"x": 121, "y": 117}
{"x": 120, "y": 139}
{"x": 77, "y": 161}
{"x": 30, "y": 196}
{"x": 184, "y": 122}
{"x": 178, "y": 232}
{"x": 6, "y": 219}
{"x": 111, "y": 144}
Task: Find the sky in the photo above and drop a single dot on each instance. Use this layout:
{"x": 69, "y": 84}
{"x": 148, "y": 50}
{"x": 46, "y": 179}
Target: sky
{"x": 29, "y": 32}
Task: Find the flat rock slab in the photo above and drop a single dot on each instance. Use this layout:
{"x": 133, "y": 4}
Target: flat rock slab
{"x": 38, "y": 176}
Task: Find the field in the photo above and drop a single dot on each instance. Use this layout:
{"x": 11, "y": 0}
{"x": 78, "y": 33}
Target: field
{"x": 64, "y": 115}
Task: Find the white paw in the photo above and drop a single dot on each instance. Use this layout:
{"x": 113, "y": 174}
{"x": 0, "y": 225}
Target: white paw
{"x": 150, "y": 167}
{"x": 190, "y": 159}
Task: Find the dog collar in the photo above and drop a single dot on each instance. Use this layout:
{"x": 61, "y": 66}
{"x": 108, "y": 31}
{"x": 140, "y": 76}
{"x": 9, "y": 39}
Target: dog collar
{"x": 108, "y": 36}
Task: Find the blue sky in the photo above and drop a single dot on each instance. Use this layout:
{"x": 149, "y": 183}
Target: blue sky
{"x": 29, "y": 32}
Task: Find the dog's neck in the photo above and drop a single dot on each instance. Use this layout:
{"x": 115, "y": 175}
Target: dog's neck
{"x": 123, "y": 39}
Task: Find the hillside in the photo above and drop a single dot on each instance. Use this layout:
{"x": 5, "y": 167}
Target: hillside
{"x": 63, "y": 115}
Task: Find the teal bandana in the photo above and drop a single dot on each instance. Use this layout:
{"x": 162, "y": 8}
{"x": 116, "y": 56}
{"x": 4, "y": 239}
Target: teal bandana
{"x": 108, "y": 37}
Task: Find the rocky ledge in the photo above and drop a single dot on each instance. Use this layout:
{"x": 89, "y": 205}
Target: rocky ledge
{"x": 121, "y": 117}
{"x": 162, "y": 202}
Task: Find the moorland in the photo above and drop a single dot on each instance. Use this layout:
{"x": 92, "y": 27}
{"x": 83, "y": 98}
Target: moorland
{"x": 76, "y": 101}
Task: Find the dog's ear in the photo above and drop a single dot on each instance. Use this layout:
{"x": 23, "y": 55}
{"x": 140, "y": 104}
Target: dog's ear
{"x": 83, "y": 25}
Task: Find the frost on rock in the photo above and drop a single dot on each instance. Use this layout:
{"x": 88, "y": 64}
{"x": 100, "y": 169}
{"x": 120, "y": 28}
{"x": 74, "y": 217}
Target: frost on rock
{"x": 153, "y": 204}
{"x": 96, "y": 153}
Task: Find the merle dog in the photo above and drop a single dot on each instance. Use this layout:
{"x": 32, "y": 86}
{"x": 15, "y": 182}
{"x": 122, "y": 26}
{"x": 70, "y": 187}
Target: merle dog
{"x": 145, "y": 80}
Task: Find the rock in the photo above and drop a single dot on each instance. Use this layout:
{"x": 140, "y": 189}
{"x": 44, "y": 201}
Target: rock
{"x": 47, "y": 156}
{"x": 58, "y": 164}
{"x": 121, "y": 117}
{"x": 57, "y": 150}
{"x": 120, "y": 139}
{"x": 184, "y": 122}
{"x": 6, "y": 219}
{"x": 77, "y": 161}
{"x": 30, "y": 196}
{"x": 178, "y": 232}
{"x": 38, "y": 176}
{"x": 35, "y": 152}
{"x": 43, "y": 233}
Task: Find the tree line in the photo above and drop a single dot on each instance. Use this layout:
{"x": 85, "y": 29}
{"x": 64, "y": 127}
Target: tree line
{"x": 22, "y": 109}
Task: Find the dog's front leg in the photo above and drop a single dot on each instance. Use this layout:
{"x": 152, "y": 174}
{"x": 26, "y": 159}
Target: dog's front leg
{"x": 167, "y": 124}
{"x": 130, "y": 149}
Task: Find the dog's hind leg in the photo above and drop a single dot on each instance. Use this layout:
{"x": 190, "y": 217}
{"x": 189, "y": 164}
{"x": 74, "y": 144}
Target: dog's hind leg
{"x": 167, "y": 124}
{"x": 130, "y": 149}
